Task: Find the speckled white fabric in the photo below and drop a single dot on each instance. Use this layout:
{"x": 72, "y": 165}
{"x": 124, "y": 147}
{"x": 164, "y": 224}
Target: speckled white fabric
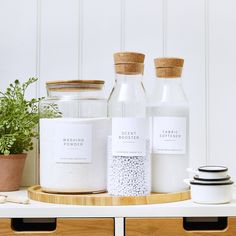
{"x": 129, "y": 176}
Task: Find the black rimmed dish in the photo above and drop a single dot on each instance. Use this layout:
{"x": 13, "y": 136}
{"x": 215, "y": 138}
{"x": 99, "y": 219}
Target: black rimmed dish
{"x": 214, "y": 169}
{"x": 220, "y": 180}
{"x": 210, "y": 172}
{"x": 211, "y": 183}
{"x": 211, "y": 192}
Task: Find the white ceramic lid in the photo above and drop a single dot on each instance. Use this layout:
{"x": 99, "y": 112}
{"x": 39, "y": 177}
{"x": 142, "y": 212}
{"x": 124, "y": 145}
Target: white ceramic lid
{"x": 226, "y": 178}
{"x": 212, "y": 168}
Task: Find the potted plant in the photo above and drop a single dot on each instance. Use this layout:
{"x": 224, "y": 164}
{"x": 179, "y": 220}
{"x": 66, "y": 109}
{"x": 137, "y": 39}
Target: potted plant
{"x": 19, "y": 118}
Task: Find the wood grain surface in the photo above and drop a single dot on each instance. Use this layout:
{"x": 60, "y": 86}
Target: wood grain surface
{"x": 170, "y": 227}
{"x": 103, "y": 199}
{"x": 67, "y": 226}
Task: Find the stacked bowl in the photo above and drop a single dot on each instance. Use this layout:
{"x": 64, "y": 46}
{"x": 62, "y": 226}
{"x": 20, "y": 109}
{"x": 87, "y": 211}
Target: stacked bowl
{"x": 211, "y": 185}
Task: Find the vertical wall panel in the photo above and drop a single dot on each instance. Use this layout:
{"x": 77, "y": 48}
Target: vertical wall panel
{"x": 17, "y": 41}
{"x": 59, "y": 41}
{"x": 186, "y": 38}
{"x": 18, "y": 55}
{"x": 222, "y": 84}
{"x": 143, "y": 32}
{"x": 101, "y": 38}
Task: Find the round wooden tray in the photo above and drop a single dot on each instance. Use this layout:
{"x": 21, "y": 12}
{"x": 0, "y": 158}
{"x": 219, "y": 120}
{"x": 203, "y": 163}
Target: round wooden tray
{"x": 103, "y": 199}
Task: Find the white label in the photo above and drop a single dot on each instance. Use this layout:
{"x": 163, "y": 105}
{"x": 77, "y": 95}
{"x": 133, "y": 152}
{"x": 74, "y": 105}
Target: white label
{"x": 71, "y": 141}
{"x": 129, "y": 136}
{"x": 169, "y": 135}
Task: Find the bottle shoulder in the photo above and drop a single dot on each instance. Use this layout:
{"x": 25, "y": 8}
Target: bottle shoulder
{"x": 124, "y": 93}
{"x": 167, "y": 95}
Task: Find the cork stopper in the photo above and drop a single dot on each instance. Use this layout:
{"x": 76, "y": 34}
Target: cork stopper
{"x": 129, "y": 63}
{"x": 168, "y": 67}
{"x": 128, "y": 57}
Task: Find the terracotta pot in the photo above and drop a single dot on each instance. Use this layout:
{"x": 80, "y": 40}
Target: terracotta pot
{"x": 11, "y": 169}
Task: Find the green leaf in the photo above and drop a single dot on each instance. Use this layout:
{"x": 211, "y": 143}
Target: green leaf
{"x": 19, "y": 118}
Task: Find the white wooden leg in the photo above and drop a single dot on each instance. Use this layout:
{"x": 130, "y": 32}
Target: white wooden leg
{"x": 119, "y": 226}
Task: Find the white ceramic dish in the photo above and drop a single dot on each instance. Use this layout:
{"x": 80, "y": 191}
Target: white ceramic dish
{"x": 210, "y": 172}
{"x": 210, "y": 193}
{"x": 218, "y": 180}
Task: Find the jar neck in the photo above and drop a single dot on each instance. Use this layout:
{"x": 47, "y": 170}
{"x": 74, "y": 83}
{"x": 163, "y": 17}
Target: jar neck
{"x": 129, "y": 83}
{"x": 122, "y": 78}
{"x": 171, "y": 81}
{"x": 170, "y": 86}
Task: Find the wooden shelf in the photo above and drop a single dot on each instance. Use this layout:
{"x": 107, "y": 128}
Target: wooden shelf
{"x": 175, "y": 209}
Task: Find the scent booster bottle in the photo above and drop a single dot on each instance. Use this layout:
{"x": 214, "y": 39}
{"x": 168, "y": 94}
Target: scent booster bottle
{"x": 128, "y": 150}
{"x": 169, "y": 121}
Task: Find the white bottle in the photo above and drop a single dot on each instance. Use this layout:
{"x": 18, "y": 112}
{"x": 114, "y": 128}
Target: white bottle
{"x": 169, "y": 121}
{"x": 128, "y": 150}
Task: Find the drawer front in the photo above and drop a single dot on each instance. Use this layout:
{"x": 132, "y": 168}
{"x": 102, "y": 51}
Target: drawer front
{"x": 172, "y": 227}
{"x": 65, "y": 226}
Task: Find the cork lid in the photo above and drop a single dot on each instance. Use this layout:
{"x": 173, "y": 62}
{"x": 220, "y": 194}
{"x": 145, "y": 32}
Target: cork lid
{"x": 129, "y": 63}
{"x": 128, "y": 57}
{"x": 169, "y": 67}
{"x": 74, "y": 85}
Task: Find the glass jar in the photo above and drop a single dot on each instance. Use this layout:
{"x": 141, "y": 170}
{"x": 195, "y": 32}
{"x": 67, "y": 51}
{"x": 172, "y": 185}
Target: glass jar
{"x": 169, "y": 116}
{"x": 73, "y": 135}
{"x": 77, "y": 98}
{"x": 128, "y": 152}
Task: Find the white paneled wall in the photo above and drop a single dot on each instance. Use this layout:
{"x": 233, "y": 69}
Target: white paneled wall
{"x": 185, "y": 37}
{"x": 59, "y": 40}
{"x": 143, "y": 32}
{"x": 75, "y": 39}
{"x": 100, "y": 35}
{"x": 222, "y": 83}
